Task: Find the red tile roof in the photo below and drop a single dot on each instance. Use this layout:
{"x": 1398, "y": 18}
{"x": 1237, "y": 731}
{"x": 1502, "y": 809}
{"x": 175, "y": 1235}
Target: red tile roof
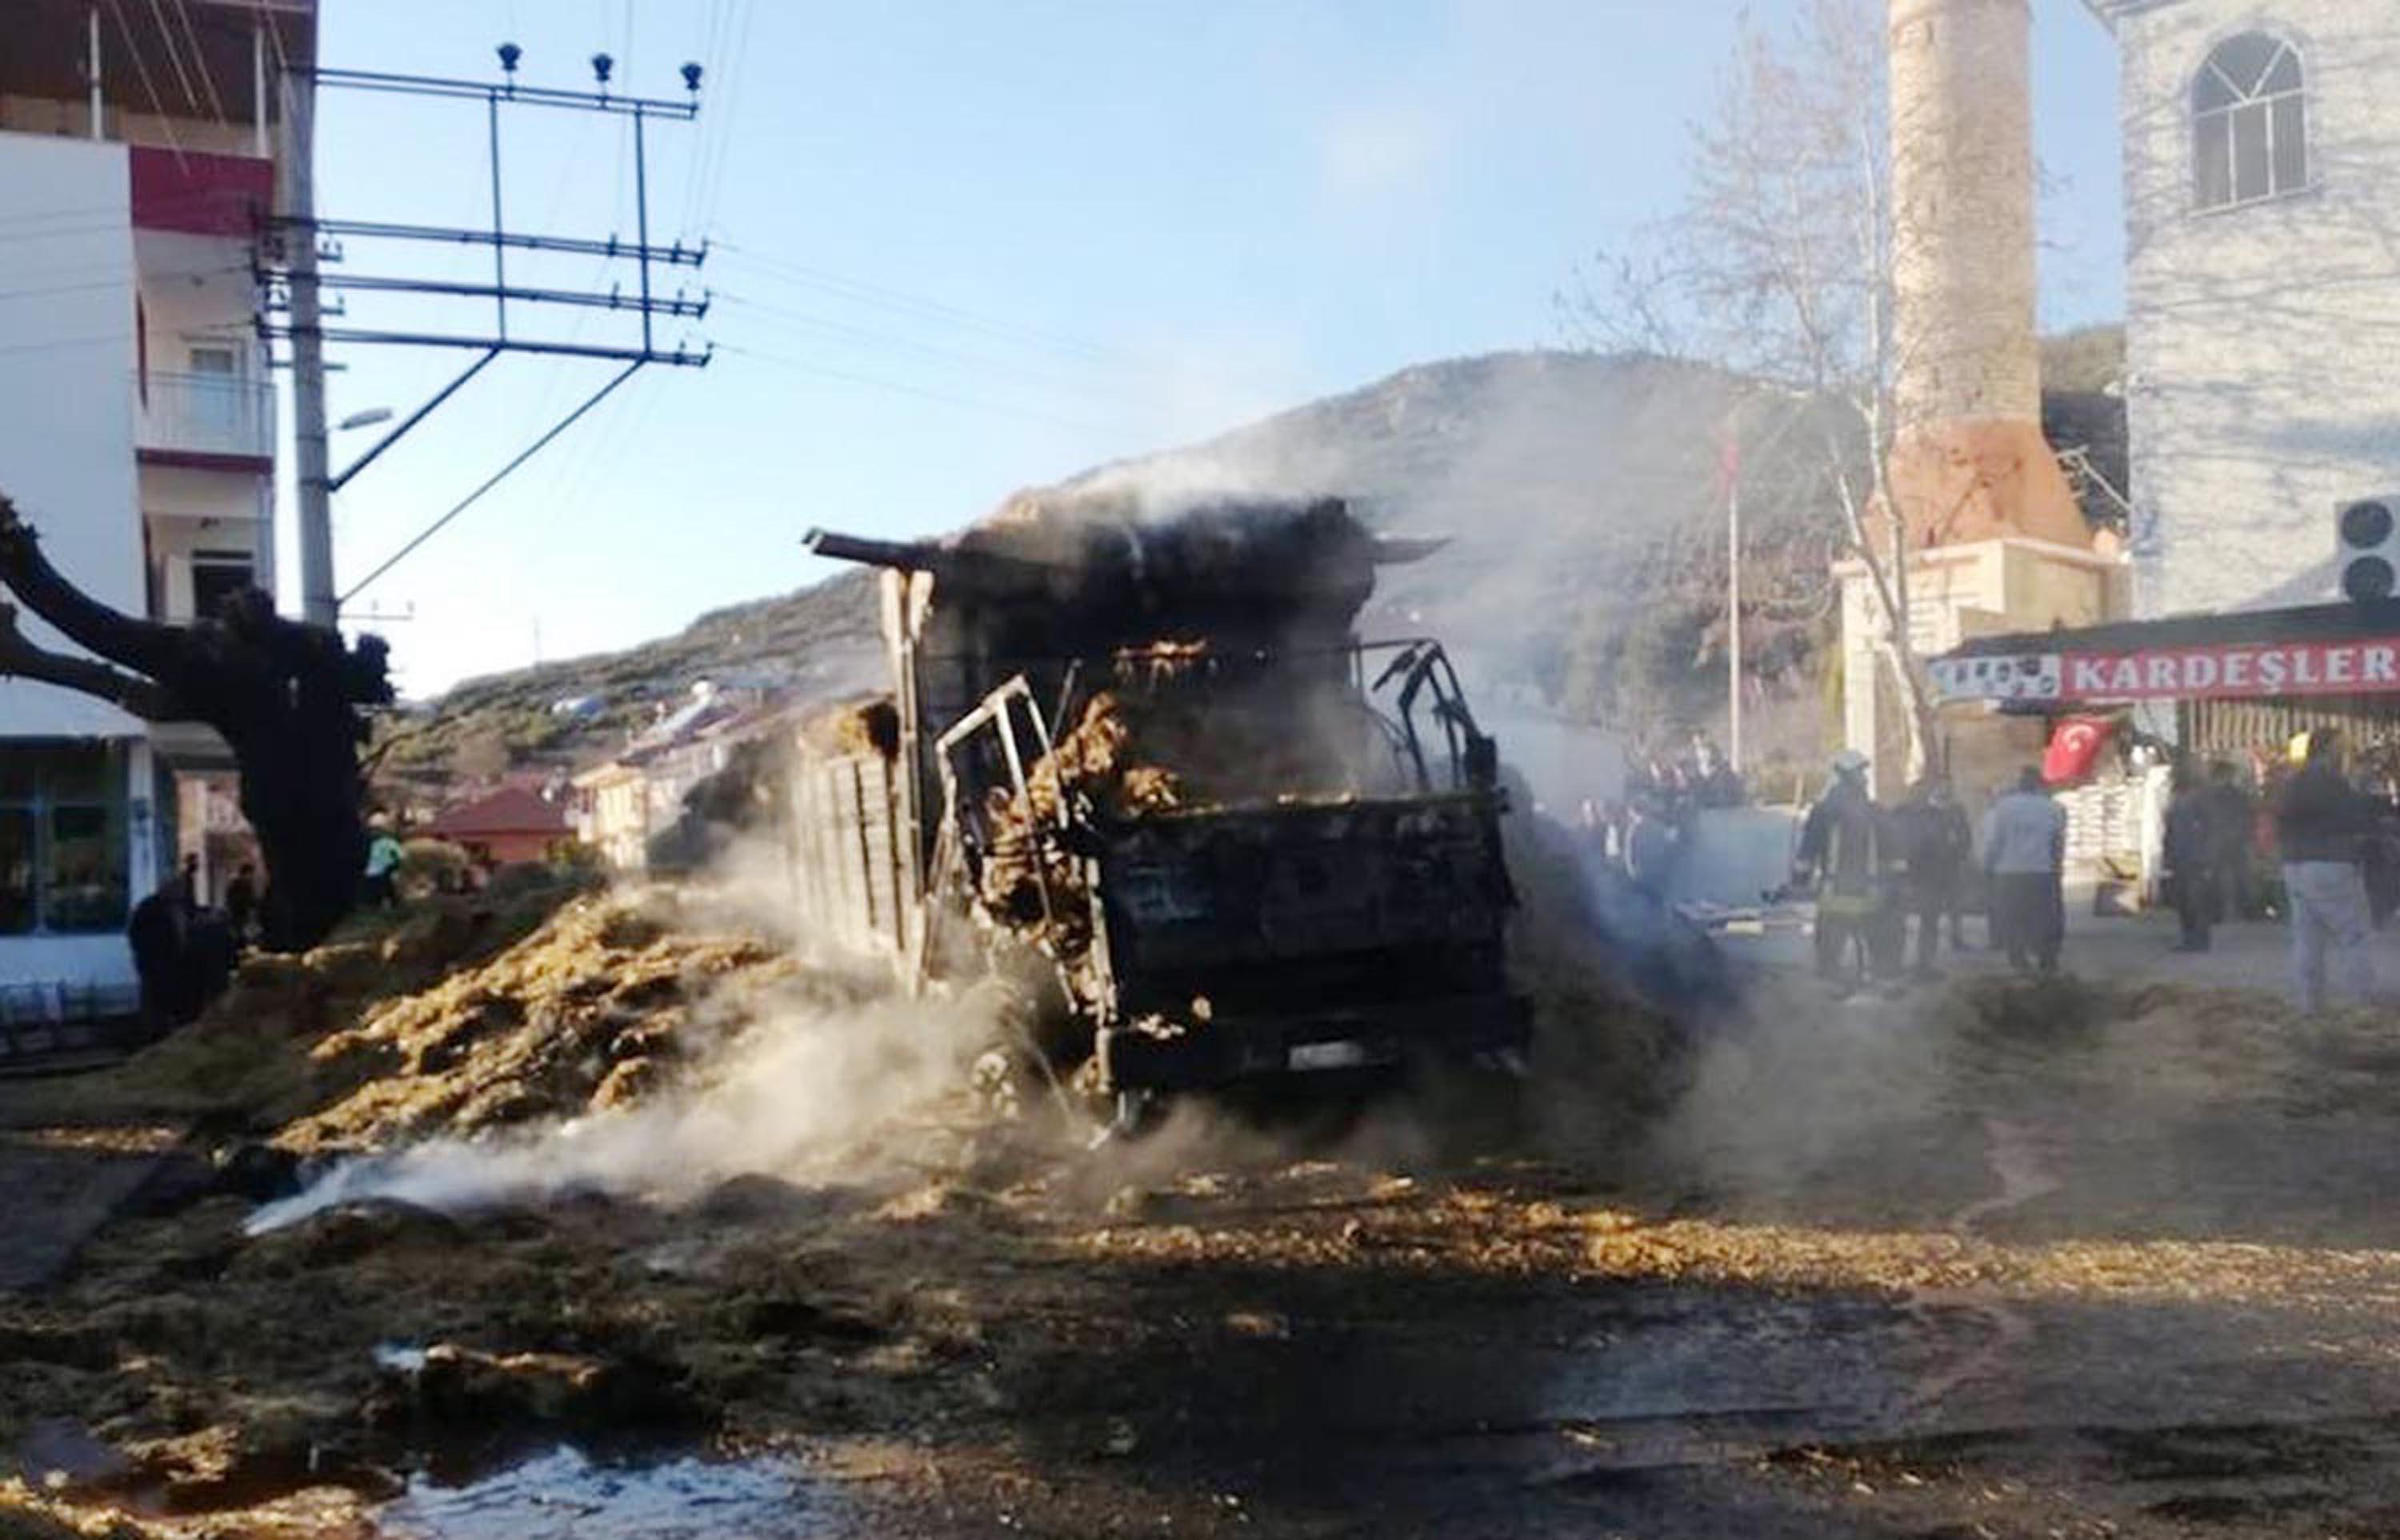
{"x": 511, "y": 809}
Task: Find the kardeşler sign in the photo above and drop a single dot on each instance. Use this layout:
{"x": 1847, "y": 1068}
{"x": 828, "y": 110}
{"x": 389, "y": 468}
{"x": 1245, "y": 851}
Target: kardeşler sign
{"x": 2229, "y": 670}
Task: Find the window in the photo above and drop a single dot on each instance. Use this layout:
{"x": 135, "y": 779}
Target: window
{"x": 62, "y": 838}
{"x": 217, "y": 576}
{"x": 2249, "y": 123}
{"x": 216, "y": 387}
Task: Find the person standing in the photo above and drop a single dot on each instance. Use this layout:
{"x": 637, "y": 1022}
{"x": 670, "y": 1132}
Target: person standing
{"x": 2233, "y": 819}
{"x": 381, "y": 887}
{"x": 241, "y": 903}
{"x": 1938, "y": 844}
{"x": 2192, "y": 840}
{"x": 1840, "y": 854}
{"x": 2322, "y": 824}
{"x": 1649, "y": 849}
{"x": 2024, "y": 860}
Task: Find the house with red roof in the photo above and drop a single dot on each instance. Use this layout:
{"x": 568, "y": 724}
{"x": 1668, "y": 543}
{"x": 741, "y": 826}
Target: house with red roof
{"x": 506, "y": 827}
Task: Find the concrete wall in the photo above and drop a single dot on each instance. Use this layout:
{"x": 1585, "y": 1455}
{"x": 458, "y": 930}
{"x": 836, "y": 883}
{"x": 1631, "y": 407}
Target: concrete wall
{"x": 63, "y": 117}
{"x": 66, "y": 398}
{"x": 1955, "y": 592}
{"x": 2262, "y": 340}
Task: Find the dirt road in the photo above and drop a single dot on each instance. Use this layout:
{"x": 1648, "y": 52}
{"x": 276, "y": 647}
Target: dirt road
{"x": 2007, "y": 1260}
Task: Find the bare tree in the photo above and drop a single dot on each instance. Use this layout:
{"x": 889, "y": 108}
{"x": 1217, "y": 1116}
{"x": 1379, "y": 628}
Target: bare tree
{"x": 1776, "y": 268}
{"x": 285, "y": 696}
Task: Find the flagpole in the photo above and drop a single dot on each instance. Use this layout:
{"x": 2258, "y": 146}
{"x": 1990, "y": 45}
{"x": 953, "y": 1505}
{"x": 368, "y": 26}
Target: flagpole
{"x": 1733, "y": 602}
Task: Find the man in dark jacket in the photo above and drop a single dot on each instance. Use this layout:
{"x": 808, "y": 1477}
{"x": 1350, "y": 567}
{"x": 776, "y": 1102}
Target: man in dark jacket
{"x": 2233, "y": 819}
{"x": 1937, "y": 846}
{"x": 2322, "y": 824}
{"x": 2192, "y": 839}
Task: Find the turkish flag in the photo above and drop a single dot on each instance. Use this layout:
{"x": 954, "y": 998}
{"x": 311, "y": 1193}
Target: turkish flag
{"x": 2075, "y": 746}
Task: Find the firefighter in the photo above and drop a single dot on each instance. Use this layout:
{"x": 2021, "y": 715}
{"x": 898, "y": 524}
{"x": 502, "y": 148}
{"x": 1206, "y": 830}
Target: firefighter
{"x": 1840, "y": 857}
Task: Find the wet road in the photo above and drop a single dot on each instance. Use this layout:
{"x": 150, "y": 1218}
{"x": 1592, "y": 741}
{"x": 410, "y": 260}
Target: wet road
{"x": 2131, "y": 1276}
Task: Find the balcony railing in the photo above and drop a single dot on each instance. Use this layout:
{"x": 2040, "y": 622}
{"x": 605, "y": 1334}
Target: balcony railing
{"x": 206, "y": 415}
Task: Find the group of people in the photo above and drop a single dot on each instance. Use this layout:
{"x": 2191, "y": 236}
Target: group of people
{"x": 1872, "y": 868}
{"x": 1644, "y": 831}
{"x": 2335, "y": 845}
{"x": 2210, "y": 841}
{"x": 183, "y": 948}
{"x": 1875, "y": 869}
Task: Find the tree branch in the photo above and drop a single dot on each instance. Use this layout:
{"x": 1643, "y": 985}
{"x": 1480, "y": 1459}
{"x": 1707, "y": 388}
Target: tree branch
{"x": 144, "y": 646}
{"x": 21, "y": 659}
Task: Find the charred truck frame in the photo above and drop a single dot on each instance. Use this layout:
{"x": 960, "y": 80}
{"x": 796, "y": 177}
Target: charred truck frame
{"x": 1263, "y": 848}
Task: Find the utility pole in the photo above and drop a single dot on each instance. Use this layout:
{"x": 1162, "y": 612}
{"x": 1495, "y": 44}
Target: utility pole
{"x": 289, "y": 264}
{"x": 1730, "y": 464}
{"x": 317, "y": 605}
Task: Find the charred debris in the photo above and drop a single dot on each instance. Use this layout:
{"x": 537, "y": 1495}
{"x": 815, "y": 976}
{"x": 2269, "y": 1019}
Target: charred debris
{"x": 1144, "y": 772}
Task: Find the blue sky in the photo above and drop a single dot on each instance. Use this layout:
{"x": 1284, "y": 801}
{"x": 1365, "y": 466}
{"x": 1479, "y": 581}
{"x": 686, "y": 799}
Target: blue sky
{"x": 964, "y": 247}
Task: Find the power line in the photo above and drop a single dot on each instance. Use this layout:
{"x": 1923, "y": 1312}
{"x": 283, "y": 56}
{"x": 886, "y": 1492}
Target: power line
{"x": 294, "y": 265}
{"x": 862, "y": 336}
{"x": 901, "y": 302}
{"x": 201, "y": 63}
{"x": 496, "y": 477}
{"x": 713, "y": 135}
{"x": 149, "y": 87}
{"x": 125, "y": 336}
{"x": 174, "y": 56}
{"x": 725, "y": 141}
{"x": 921, "y": 392}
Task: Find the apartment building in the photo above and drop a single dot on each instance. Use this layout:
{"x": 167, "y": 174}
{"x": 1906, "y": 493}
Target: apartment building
{"x": 139, "y": 160}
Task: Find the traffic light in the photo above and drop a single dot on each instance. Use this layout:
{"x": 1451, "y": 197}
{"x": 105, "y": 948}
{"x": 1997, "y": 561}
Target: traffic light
{"x": 2370, "y": 548}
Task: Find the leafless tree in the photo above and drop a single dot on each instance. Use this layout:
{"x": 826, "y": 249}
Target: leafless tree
{"x": 285, "y": 696}
{"x": 1776, "y": 268}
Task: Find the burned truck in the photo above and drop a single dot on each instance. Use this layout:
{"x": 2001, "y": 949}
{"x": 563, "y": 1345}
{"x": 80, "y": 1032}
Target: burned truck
{"x": 1143, "y": 770}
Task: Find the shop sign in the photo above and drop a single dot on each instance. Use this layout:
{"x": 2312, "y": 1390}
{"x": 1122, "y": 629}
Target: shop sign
{"x": 2232, "y": 670}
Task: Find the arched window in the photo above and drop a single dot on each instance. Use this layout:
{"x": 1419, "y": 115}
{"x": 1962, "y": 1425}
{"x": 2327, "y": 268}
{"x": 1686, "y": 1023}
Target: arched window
{"x": 2249, "y": 123}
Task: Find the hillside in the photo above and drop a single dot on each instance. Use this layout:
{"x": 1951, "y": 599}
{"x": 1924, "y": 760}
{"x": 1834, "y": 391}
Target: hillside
{"x": 1582, "y": 495}
{"x": 821, "y": 641}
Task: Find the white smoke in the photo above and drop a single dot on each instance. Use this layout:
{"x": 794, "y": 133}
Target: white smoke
{"x": 792, "y": 1098}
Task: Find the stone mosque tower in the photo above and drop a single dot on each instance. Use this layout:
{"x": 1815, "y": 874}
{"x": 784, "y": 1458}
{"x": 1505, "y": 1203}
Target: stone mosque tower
{"x": 1996, "y": 540}
{"x": 1968, "y": 462}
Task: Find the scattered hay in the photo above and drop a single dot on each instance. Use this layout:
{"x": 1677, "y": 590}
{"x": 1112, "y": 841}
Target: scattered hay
{"x": 870, "y": 726}
{"x": 598, "y": 1007}
{"x": 249, "y": 1056}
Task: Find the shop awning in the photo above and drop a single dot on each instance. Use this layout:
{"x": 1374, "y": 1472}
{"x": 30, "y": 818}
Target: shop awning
{"x": 2313, "y": 650}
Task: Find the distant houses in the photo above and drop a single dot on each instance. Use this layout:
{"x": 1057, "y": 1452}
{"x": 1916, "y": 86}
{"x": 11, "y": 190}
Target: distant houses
{"x": 631, "y": 807}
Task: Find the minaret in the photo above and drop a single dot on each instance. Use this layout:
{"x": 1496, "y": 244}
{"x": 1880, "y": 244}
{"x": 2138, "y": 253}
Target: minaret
{"x": 1969, "y": 461}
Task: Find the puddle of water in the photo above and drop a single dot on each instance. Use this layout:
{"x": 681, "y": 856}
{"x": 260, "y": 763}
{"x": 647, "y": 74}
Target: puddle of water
{"x": 567, "y": 1495}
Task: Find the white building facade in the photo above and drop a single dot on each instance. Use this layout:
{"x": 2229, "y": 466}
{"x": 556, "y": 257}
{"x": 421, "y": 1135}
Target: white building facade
{"x": 137, "y": 432}
{"x": 2262, "y": 193}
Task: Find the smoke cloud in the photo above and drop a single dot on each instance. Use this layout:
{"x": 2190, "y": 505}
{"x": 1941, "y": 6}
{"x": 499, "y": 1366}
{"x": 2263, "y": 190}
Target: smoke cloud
{"x": 790, "y": 1098}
